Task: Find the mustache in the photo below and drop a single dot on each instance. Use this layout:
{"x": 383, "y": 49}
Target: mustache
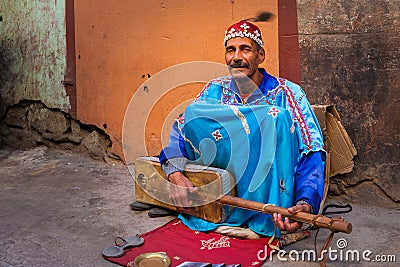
{"x": 239, "y": 65}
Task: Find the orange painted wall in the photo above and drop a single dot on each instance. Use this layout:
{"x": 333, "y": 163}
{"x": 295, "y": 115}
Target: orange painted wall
{"x": 120, "y": 42}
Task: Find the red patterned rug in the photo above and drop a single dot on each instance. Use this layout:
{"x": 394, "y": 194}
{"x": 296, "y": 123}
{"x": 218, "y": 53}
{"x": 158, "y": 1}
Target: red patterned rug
{"x": 182, "y": 244}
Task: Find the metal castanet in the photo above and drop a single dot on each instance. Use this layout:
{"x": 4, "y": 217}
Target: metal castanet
{"x": 334, "y": 224}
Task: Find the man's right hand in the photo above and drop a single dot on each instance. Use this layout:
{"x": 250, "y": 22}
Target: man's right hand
{"x": 178, "y": 194}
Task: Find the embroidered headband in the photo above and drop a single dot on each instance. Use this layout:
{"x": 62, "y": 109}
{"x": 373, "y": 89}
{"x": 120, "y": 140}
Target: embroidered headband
{"x": 244, "y": 29}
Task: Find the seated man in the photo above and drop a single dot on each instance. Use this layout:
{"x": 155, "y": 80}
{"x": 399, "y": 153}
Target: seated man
{"x": 300, "y": 140}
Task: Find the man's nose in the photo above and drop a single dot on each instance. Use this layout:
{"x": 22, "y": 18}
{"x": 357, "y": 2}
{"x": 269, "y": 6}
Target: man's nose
{"x": 237, "y": 56}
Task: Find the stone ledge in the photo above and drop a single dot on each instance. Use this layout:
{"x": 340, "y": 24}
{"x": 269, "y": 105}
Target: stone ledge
{"x": 30, "y": 123}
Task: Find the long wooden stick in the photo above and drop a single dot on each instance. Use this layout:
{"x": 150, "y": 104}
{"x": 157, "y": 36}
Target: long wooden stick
{"x": 317, "y": 220}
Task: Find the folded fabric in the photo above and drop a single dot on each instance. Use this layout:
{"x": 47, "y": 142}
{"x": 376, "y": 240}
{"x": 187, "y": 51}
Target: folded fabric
{"x": 235, "y": 231}
{"x": 196, "y": 264}
{"x": 203, "y": 264}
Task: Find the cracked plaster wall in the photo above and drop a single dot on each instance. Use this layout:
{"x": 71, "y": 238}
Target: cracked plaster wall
{"x": 350, "y": 56}
{"x": 32, "y": 53}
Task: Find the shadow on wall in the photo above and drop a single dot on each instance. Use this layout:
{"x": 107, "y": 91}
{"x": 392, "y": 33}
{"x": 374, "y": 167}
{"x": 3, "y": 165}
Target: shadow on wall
{"x": 30, "y": 123}
{"x": 6, "y": 75}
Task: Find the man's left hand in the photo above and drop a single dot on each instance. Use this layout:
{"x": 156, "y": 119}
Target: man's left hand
{"x": 288, "y": 225}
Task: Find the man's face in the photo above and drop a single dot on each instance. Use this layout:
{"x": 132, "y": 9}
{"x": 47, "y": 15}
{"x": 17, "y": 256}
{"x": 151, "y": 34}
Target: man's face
{"x": 244, "y": 55}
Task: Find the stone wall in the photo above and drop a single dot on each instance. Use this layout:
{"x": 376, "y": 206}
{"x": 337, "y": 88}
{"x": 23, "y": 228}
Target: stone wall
{"x": 350, "y": 56}
{"x": 30, "y": 124}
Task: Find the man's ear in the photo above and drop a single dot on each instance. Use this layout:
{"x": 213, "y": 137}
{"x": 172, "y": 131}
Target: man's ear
{"x": 261, "y": 55}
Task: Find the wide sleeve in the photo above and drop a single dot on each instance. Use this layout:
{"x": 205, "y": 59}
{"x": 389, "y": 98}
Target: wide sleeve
{"x": 307, "y": 126}
{"x": 173, "y": 157}
{"x": 309, "y": 179}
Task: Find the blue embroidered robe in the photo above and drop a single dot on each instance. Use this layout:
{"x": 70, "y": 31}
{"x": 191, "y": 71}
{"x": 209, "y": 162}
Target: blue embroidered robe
{"x": 306, "y": 167}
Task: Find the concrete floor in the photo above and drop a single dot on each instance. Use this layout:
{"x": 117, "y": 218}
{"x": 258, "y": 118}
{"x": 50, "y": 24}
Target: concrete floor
{"x": 62, "y": 209}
